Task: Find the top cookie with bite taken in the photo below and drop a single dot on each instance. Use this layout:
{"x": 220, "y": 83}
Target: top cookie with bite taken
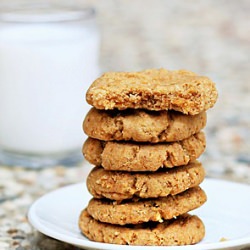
{"x": 153, "y": 89}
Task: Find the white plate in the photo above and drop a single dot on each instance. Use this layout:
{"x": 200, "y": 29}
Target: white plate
{"x": 225, "y": 214}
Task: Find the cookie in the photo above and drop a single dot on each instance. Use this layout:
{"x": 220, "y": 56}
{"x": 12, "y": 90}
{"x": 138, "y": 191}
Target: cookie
{"x": 135, "y": 212}
{"x": 184, "y": 230}
{"x": 119, "y": 185}
{"x": 154, "y": 89}
{"x": 129, "y": 156}
{"x": 142, "y": 125}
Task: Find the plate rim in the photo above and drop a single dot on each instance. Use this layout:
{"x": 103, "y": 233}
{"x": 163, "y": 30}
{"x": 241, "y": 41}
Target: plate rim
{"x": 37, "y": 224}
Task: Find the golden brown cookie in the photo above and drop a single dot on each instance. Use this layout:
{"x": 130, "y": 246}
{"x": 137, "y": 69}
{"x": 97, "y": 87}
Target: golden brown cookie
{"x": 154, "y": 89}
{"x": 142, "y": 125}
{"x": 184, "y": 230}
{"x": 136, "y": 212}
{"x": 130, "y": 156}
{"x": 119, "y": 185}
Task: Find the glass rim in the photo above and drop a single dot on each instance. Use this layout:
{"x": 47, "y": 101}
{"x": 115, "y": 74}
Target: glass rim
{"x": 46, "y": 15}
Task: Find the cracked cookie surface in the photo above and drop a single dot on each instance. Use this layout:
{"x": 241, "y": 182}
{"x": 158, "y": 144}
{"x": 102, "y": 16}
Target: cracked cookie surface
{"x": 142, "y": 125}
{"x": 153, "y": 89}
{"x": 120, "y": 185}
{"x": 184, "y": 230}
{"x": 131, "y": 156}
{"x": 135, "y": 212}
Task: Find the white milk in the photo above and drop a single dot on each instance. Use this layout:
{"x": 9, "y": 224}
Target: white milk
{"x": 45, "y": 70}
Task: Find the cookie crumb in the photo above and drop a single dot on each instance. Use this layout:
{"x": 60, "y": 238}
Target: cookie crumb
{"x": 223, "y": 239}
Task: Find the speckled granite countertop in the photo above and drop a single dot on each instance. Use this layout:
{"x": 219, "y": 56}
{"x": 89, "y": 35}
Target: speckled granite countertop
{"x": 197, "y": 35}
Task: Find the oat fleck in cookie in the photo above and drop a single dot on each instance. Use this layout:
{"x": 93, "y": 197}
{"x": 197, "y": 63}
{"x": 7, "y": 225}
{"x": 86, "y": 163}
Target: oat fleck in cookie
{"x": 119, "y": 185}
{"x": 142, "y": 125}
{"x": 184, "y": 230}
{"x": 135, "y": 212}
{"x": 154, "y": 89}
{"x": 131, "y": 156}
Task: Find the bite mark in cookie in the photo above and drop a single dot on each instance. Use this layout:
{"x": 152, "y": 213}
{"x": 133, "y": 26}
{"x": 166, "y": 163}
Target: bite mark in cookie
{"x": 153, "y": 89}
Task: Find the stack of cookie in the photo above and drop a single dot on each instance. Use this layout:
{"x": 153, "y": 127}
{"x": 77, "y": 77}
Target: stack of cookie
{"x": 144, "y": 138}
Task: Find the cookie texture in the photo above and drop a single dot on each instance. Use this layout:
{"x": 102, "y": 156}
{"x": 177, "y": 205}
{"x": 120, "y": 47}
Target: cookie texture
{"x": 120, "y": 185}
{"x": 135, "y": 212}
{"x": 153, "y": 89}
{"x": 185, "y": 230}
{"x": 130, "y": 156}
{"x": 142, "y": 125}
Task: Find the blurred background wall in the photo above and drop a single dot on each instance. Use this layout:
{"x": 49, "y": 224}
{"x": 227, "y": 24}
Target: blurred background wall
{"x": 209, "y": 37}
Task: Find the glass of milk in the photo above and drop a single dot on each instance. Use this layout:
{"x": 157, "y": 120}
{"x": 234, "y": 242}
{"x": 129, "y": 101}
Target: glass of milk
{"x": 48, "y": 59}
